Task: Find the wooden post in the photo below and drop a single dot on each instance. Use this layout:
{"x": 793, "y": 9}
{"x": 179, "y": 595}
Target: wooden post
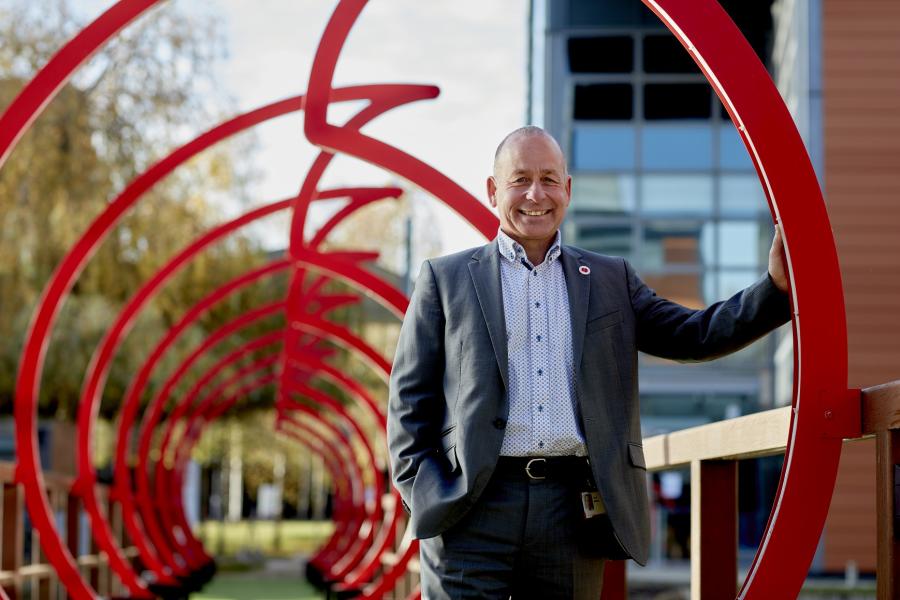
{"x": 614, "y": 585}
{"x": 714, "y": 529}
{"x": 73, "y": 524}
{"x": 13, "y": 538}
{"x": 114, "y": 516}
{"x": 887, "y": 478}
{"x": 45, "y": 583}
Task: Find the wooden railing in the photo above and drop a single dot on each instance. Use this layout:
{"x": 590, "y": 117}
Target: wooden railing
{"x": 712, "y": 453}
{"x": 37, "y": 579}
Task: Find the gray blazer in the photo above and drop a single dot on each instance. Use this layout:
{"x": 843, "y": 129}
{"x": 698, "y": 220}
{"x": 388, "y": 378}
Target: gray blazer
{"x": 448, "y": 402}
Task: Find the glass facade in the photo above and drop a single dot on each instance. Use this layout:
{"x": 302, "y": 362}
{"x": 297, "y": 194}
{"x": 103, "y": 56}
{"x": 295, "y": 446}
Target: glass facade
{"x": 661, "y": 177}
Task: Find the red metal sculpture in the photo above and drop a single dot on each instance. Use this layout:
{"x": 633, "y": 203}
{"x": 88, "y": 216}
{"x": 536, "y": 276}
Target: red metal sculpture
{"x": 819, "y": 323}
{"x": 167, "y": 547}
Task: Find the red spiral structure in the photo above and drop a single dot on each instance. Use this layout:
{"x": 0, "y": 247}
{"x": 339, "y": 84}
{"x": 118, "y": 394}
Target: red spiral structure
{"x": 368, "y": 527}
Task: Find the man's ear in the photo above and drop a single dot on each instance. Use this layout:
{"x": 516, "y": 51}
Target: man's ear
{"x": 492, "y": 191}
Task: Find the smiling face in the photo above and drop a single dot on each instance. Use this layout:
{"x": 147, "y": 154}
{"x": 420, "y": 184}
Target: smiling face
{"x": 530, "y": 189}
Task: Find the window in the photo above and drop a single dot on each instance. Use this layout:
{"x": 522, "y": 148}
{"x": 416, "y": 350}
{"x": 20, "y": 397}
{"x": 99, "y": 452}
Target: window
{"x": 679, "y": 244}
{"x": 608, "y": 54}
{"x": 685, "y": 288}
{"x": 605, "y": 147}
{"x": 732, "y": 152}
{"x": 613, "y": 239}
{"x": 598, "y": 101}
{"x": 604, "y": 194}
{"x": 677, "y": 101}
{"x": 739, "y": 244}
{"x": 742, "y": 196}
{"x": 677, "y": 194}
{"x": 680, "y": 147}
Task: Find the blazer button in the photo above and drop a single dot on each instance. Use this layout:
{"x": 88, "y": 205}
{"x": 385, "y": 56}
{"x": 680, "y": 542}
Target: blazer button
{"x": 500, "y": 423}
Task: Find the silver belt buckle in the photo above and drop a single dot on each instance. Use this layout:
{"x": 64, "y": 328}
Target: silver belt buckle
{"x": 528, "y": 468}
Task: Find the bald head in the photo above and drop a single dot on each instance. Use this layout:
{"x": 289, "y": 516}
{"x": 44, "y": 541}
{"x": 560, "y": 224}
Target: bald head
{"x": 530, "y": 189}
{"x": 525, "y": 132}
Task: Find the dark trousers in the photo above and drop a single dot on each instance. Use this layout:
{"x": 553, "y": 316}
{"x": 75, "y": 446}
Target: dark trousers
{"x": 523, "y": 538}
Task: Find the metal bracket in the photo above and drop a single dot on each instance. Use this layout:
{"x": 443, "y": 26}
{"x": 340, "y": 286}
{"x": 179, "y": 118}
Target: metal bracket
{"x": 842, "y": 415}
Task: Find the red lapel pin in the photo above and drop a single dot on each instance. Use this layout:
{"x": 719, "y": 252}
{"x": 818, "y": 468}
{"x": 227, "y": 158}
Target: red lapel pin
{"x": 584, "y": 270}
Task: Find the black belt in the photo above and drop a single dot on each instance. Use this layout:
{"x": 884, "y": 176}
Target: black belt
{"x": 544, "y": 467}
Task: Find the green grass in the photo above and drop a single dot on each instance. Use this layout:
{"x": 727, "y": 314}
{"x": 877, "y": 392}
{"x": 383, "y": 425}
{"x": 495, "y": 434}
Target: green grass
{"x": 296, "y": 537}
{"x": 256, "y": 587}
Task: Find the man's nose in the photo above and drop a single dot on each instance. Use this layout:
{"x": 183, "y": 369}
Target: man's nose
{"x": 535, "y": 192}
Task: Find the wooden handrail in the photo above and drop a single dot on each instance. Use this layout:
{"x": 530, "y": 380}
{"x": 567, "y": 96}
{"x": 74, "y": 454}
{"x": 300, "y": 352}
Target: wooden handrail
{"x": 760, "y": 434}
{"x": 881, "y": 408}
{"x": 711, "y": 451}
{"x": 751, "y": 436}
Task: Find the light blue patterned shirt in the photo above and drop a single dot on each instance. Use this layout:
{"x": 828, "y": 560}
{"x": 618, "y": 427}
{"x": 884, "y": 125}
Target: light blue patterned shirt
{"x": 542, "y": 419}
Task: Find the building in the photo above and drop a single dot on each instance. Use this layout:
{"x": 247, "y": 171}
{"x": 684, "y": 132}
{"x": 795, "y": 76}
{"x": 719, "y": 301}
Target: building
{"x": 662, "y": 178}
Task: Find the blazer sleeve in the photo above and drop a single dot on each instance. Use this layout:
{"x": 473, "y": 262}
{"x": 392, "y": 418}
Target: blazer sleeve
{"x": 669, "y": 330}
{"x": 416, "y": 401}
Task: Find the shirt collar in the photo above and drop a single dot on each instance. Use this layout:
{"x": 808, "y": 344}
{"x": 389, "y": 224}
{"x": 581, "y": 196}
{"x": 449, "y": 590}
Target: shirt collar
{"x": 513, "y": 251}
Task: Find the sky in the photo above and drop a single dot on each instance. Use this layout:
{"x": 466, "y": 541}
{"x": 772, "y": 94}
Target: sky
{"x": 475, "y": 51}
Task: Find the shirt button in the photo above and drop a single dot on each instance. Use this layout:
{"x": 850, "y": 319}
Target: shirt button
{"x": 535, "y": 273}
{"x": 540, "y": 408}
{"x": 540, "y": 444}
{"x": 500, "y": 423}
{"x": 538, "y": 338}
{"x": 537, "y": 304}
{"x": 540, "y": 371}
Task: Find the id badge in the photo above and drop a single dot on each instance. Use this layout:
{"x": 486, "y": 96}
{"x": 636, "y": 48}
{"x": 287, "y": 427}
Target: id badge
{"x": 592, "y": 504}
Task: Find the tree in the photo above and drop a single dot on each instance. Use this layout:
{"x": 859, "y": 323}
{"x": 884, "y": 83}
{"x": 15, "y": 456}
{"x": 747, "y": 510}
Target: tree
{"x": 147, "y": 92}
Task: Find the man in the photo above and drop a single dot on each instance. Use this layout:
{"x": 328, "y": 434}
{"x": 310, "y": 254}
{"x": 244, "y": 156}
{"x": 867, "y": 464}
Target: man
{"x": 513, "y": 420}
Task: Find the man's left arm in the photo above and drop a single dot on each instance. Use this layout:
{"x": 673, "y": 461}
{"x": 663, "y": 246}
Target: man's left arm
{"x": 669, "y": 330}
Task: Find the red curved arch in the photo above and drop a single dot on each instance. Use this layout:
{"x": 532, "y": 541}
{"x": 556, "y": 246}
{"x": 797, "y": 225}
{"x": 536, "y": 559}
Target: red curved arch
{"x": 820, "y": 380}
{"x": 191, "y": 435}
{"x": 147, "y": 510}
{"x": 212, "y": 411}
{"x": 106, "y": 349}
{"x": 371, "y": 562}
{"x": 193, "y": 314}
{"x": 349, "y": 520}
{"x": 372, "y": 511}
{"x": 351, "y": 470}
{"x": 356, "y": 346}
{"x": 28, "y": 469}
{"x": 352, "y": 142}
{"x": 42, "y": 88}
{"x": 725, "y": 61}
{"x": 162, "y": 495}
{"x": 133, "y": 394}
{"x": 123, "y": 483}
{"x": 155, "y": 412}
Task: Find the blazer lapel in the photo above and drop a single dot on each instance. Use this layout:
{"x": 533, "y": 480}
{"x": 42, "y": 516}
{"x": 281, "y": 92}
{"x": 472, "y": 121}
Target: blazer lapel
{"x": 485, "y": 270}
{"x": 578, "y": 288}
